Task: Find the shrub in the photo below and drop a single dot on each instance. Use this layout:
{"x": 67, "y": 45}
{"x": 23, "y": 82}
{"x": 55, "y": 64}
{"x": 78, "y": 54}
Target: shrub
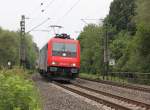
{"x": 16, "y": 92}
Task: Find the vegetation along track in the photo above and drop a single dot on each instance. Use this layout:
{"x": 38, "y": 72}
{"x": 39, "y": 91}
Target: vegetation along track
{"x": 129, "y": 86}
{"x": 113, "y": 101}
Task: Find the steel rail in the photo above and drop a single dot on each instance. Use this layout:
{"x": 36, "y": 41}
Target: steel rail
{"x": 94, "y": 98}
{"x": 131, "y": 101}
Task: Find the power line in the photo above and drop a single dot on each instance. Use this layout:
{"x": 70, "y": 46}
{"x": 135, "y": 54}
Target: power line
{"x": 39, "y": 25}
{"x": 93, "y": 19}
{"x": 73, "y": 6}
{"x": 85, "y": 20}
{"x": 36, "y": 9}
{"x": 42, "y": 10}
{"x": 47, "y": 6}
{"x": 60, "y": 7}
{"x": 42, "y": 30}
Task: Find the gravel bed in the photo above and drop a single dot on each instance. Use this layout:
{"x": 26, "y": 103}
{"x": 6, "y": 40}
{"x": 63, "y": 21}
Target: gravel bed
{"x": 55, "y": 99}
{"x": 116, "y": 101}
{"x": 145, "y": 86}
{"x": 128, "y": 93}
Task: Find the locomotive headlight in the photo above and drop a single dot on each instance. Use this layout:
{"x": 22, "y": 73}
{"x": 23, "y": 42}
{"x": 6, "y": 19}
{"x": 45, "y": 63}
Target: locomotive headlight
{"x": 53, "y": 63}
{"x": 64, "y": 54}
{"x": 73, "y": 64}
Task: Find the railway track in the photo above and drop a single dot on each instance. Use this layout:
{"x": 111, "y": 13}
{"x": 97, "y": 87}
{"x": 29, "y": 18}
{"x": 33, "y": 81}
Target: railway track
{"x": 110, "y": 100}
{"x": 123, "y": 85}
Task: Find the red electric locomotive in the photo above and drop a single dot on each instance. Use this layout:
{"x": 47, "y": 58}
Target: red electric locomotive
{"x": 60, "y": 58}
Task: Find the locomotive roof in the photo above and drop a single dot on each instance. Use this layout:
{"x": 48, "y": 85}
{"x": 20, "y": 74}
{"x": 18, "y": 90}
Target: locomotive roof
{"x": 60, "y": 40}
{"x": 63, "y": 40}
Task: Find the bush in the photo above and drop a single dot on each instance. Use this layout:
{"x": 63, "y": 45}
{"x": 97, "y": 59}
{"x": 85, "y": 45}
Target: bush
{"x": 16, "y": 92}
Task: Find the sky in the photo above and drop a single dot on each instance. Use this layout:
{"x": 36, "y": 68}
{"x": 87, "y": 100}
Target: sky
{"x": 65, "y": 13}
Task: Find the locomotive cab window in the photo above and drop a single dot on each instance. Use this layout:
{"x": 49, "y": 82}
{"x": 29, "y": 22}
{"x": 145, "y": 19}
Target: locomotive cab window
{"x": 64, "y": 50}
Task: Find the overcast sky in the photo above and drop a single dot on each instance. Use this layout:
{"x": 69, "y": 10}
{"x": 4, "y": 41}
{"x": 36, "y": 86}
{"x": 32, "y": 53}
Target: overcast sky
{"x": 67, "y": 13}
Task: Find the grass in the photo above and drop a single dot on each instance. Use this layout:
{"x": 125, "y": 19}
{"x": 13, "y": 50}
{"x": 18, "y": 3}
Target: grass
{"x": 89, "y": 76}
{"x": 100, "y": 77}
{"x": 116, "y": 79}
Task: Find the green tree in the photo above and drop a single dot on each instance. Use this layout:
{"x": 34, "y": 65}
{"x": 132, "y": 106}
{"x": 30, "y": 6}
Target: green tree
{"x": 136, "y": 56}
{"x": 143, "y": 7}
{"x": 10, "y": 47}
{"x": 32, "y": 52}
{"x": 142, "y": 38}
{"x": 91, "y": 49}
{"x": 121, "y": 14}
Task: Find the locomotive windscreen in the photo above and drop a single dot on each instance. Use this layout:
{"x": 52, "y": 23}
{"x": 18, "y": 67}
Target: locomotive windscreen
{"x": 64, "y": 50}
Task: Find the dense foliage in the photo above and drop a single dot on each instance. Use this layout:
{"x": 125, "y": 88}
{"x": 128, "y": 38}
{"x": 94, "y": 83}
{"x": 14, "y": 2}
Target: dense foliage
{"x": 121, "y": 14}
{"x": 91, "y": 52}
{"x": 10, "y": 45}
{"x": 128, "y": 28}
{"x": 16, "y": 92}
{"x": 136, "y": 54}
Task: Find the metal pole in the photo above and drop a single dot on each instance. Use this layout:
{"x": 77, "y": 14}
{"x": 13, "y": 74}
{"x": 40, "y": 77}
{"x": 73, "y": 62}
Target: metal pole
{"x": 107, "y": 54}
{"x": 22, "y": 43}
{"x": 106, "y": 61}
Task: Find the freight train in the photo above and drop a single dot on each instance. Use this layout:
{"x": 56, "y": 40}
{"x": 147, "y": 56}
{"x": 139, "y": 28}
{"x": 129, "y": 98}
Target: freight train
{"x": 59, "y": 59}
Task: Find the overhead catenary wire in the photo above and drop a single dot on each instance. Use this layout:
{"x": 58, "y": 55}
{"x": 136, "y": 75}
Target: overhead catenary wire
{"x": 38, "y": 25}
{"x": 42, "y": 30}
{"x": 48, "y": 5}
{"x": 38, "y": 8}
{"x": 42, "y": 10}
{"x": 74, "y": 5}
{"x": 92, "y": 19}
{"x": 85, "y": 20}
{"x": 70, "y": 9}
{"x": 60, "y": 7}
